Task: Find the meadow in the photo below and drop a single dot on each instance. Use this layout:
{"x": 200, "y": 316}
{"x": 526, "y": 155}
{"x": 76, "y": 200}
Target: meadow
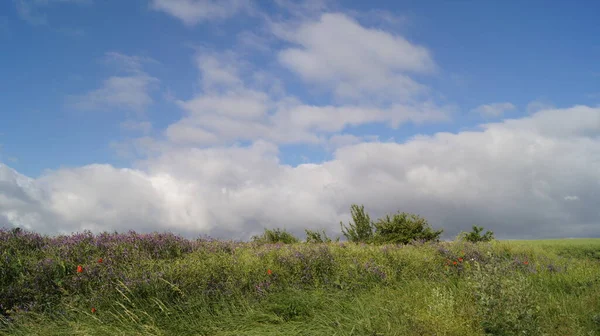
{"x": 163, "y": 284}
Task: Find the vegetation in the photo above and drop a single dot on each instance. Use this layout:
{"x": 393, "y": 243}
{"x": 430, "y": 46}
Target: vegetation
{"x": 275, "y": 236}
{"x": 362, "y": 228}
{"x": 476, "y": 237}
{"x": 401, "y": 228}
{"x": 318, "y": 237}
{"x": 162, "y": 284}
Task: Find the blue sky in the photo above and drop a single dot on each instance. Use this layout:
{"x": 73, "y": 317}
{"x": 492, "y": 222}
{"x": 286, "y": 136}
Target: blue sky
{"x": 126, "y": 83}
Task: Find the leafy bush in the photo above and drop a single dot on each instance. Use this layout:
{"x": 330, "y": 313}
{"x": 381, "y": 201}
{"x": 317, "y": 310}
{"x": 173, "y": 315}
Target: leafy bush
{"x": 476, "y": 237}
{"x": 505, "y": 305}
{"x": 318, "y": 237}
{"x": 275, "y": 236}
{"x": 361, "y": 231}
{"x": 403, "y": 228}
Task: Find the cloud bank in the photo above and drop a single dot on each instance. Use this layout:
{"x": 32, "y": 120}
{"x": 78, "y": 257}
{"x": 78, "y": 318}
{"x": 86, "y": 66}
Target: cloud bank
{"x": 217, "y": 170}
{"x": 519, "y": 178}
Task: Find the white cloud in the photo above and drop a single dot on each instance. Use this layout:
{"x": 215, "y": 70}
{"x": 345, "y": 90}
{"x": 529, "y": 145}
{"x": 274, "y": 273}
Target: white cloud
{"x": 494, "y": 110}
{"x": 571, "y": 198}
{"x": 228, "y": 110}
{"x": 342, "y": 140}
{"x": 510, "y": 177}
{"x": 192, "y": 12}
{"x": 128, "y": 92}
{"x": 538, "y": 105}
{"x": 251, "y": 115}
{"x": 329, "y": 54}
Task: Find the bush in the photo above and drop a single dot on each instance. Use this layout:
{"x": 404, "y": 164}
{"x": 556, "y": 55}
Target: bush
{"x": 318, "y": 237}
{"x": 275, "y": 236}
{"x": 403, "y": 228}
{"x": 476, "y": 237}
{"x": 362, "y": 228}
{"x": 506, "y": 305}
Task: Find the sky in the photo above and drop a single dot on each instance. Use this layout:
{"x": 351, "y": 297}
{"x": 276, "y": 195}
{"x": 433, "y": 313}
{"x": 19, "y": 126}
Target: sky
{"x": 226, "y": 117}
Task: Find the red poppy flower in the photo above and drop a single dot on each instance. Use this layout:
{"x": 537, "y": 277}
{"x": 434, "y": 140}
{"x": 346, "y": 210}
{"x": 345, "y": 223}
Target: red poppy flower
{"x": 454, "y": 263}
{"x": 100, "y": 260}
{"x": 460, "y": 259}
{"x": 269, "y": 272}
{"x": 79, "y": 269}
{"x": 93, "y": 310}
{"x": 526, "y": 262}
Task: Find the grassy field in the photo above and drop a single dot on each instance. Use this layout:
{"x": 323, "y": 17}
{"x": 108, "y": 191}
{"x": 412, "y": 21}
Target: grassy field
{"x": 161, "y": 284}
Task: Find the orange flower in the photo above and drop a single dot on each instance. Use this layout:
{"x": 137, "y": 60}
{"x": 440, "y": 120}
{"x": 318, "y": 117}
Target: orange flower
{"x": 93, "y": 310}
{"x": 100, "y": 260}
{"x": 454, "y": 263}
{"x": 526, "y": 262}
{"x": 79, "y": 269}
{"x": 460, "y": 259}
{"x": 269, "y": 272}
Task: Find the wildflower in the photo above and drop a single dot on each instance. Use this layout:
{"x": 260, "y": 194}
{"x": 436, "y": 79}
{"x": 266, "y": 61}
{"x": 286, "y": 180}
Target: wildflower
{"x": 460, "y": 259}
{"x": 269, "y": 272}
{"x": 454, "y": 263}
{"x": 93, "y": 310}
{"x": 526, "y": 262}
{"x": 100, "y": 260}
{"x": 79, "y": 269}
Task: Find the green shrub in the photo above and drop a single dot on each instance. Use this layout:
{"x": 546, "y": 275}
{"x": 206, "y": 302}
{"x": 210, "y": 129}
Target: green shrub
{"x": 275, "y": 236}
{"x": 362, "y": 228}
{"x": 476, "y": 237}
{"x": 318, "y": 237}
{"x": 506, "y": 305}
{"x": 403, "y": 228}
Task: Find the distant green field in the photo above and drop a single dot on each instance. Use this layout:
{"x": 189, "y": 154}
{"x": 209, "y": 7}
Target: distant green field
{"x": 570, "y": 247}
{"x": 161, "y": 284}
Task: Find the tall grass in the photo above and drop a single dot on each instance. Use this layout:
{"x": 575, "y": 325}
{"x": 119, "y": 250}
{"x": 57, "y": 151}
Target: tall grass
{"x": 162, "y": 284}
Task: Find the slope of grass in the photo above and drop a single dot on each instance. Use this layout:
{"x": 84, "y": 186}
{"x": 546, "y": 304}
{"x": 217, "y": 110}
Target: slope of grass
{"x": 164, "y": 285}
{"x": 572, "y": 247}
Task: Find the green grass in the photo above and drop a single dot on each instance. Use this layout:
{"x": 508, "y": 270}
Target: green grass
{"x": 224, "y": 288}
{"x": 573, "y": 247}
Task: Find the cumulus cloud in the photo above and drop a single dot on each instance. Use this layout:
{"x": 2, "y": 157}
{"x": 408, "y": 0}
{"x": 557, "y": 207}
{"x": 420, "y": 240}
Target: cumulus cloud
{"x": 192, "y": 12}
{"x": 327, "y": 53}
{"x": 511, "y": 177}
{"x": 231, "y": 107}
{"x": 494, "y": 110}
